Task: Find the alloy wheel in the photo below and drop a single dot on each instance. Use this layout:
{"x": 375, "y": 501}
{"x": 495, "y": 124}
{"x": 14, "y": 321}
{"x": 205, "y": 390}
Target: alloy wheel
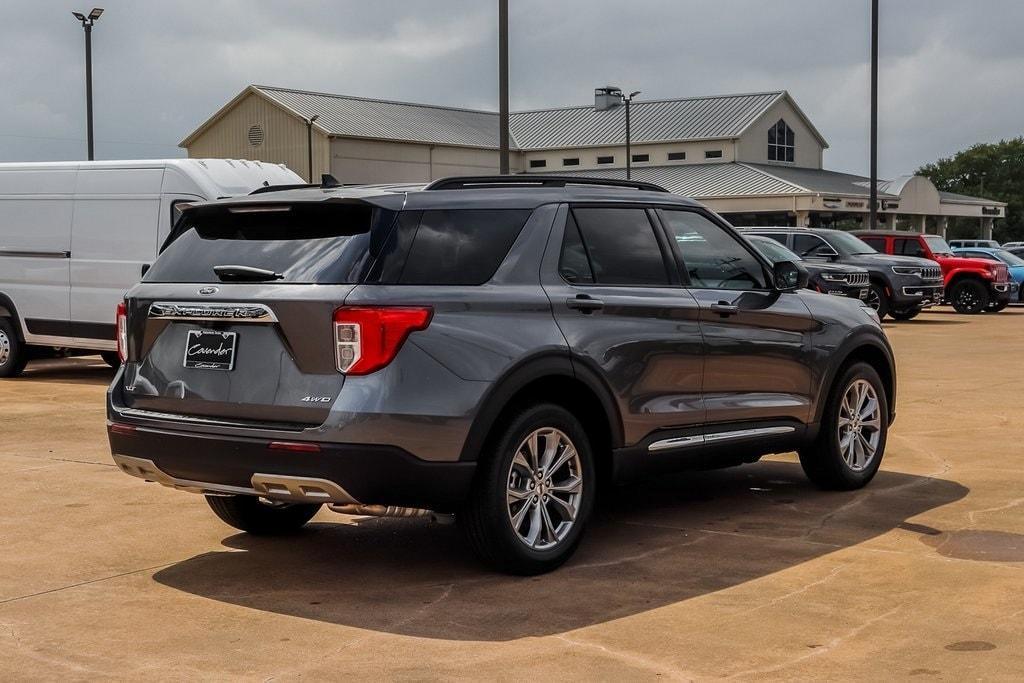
{"x": 544, "y": 489}
{"x": 873, "y": 299}
{"x": 5, "y": 348}
{"x": 860, "y": 425}
{"x": 967, "y": 298}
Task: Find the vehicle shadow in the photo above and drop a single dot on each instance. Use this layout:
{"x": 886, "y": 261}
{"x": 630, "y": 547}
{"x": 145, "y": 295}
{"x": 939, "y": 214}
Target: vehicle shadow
{"x": 77, "y": 370}
{"x": 655, "y": 544}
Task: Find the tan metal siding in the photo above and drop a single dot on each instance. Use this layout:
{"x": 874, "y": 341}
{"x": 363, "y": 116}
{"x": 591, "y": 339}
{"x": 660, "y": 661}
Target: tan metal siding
{"x": 284, "y": 137}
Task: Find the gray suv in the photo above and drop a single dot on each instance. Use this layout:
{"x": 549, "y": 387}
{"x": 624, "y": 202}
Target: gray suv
{"x": 492, "y": 348}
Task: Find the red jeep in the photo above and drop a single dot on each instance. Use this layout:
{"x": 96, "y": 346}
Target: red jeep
{"x": 971, "y": 285}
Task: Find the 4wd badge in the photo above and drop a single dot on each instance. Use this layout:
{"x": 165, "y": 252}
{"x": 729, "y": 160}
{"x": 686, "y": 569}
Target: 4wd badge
{"x": 316, "y": 399}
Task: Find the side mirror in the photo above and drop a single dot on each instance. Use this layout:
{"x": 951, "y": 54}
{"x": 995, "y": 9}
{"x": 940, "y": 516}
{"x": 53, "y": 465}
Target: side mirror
{"x": 789, "y": 276}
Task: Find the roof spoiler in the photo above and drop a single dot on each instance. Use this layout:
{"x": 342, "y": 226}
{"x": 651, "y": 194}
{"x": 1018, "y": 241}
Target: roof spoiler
{"x": 537, "y": 180}
{"x": 326, "y": 181}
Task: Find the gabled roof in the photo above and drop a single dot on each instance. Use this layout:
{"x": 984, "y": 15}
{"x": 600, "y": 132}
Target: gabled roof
{"x": 682, "y": 119}
{"x": 703, "y": 181}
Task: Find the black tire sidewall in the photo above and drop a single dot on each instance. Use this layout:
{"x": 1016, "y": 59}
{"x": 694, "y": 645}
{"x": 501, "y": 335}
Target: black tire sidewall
{"x": 489, "y": 498}
{"x": 983, "y": 298}
{"x": 17, "y": 359}
{"x": 883, "y": 300}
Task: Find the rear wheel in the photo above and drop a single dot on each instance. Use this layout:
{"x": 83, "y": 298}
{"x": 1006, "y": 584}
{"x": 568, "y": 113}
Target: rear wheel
{"x": 851, "y": 440}
{"x": 13, "y": 354}
{"x": 969, "y": 296}
{"x": 111, "y": 358}
{"x": 533, "y": 493}
{"x": 906, "y": 315}
{"x": 259, "y": 517}
{"x": 878, "y": 299}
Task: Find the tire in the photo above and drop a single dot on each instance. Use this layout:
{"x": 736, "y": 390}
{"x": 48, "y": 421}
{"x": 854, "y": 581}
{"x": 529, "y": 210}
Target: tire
{"x": 905, "y": 315}
{"x": 827, "y": 462}
{"x": 999, "y": 306}
{"x": 506, "y": 465}
{"x": 878, "y": 299}
{"x": 969, "y": 296}
{"x": 252, "y": 515}
{"x": 13, "y": 354}
{"x": 111, "y": 358}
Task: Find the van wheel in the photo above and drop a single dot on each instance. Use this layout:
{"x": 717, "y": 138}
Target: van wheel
{"x": 111, "y": 358}
{"x": 969, "y": 296}
{"x": 533, "y": 493}
{"x": 851, "y": 441}
{"x": 253, "y": 515}
{"x": 13, "y": 354}
{"x": 878, "y": 300}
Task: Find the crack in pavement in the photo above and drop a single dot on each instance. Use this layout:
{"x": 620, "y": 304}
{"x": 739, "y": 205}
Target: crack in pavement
{"x": 633, "y": 659}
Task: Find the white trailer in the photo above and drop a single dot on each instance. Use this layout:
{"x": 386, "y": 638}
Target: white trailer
{"x": 74, "y": 236}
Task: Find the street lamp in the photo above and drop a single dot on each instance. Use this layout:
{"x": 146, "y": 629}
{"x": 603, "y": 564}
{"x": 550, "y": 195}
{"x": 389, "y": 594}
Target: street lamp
{"x": 601, "y": 102}
{"x": 87, "y": 22}
{"x": 309, "y": 132}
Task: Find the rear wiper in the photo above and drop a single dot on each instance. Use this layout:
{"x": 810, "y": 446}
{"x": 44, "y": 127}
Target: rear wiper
{"x": 245, "y": 274}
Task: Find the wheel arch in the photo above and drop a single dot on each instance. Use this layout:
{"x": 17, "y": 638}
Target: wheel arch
{"x": 874, "y": 352}
{"x": 9, "y": 310}
{"x": 551, "y": 379}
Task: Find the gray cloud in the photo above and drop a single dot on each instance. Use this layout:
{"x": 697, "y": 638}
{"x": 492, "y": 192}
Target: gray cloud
{"x": 951, "y": 74}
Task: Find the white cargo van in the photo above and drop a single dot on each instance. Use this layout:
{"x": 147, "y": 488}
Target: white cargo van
{"x": 74, "y": 236}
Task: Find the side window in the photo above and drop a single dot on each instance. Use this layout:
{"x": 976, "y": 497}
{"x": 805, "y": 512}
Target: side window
{"x": 908, "y": 247}
{"x": 622, "y": 247}
{"x": 458, "y": 247}
{"x": 876, "y": 243}
{"x": 713, "y": 258}
{"x": 811, "y": 246}
{"x": 573, "y": 264}
{"x": 777, "y": 236}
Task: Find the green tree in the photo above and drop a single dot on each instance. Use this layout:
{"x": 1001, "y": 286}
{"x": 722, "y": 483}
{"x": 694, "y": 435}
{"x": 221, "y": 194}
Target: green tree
{"x": 992, "y": 171}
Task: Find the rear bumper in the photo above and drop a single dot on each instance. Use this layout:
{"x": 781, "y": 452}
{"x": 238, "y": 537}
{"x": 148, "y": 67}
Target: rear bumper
{"x": 337, "y": 473}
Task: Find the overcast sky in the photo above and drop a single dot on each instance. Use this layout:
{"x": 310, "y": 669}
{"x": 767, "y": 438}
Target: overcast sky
{"x": 952, "y": 71}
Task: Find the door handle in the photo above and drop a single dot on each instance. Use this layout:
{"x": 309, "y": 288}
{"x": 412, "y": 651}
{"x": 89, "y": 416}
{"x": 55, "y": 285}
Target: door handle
{"x": 725, "y": 310}
{"x": 584, "y": 303}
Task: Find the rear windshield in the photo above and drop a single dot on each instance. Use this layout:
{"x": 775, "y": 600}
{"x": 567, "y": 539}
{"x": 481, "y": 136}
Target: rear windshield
{"x": 324, "y": 243}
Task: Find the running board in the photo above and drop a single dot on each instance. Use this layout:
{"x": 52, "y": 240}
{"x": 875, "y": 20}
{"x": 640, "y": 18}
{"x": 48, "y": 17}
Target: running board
{"x": 717, "y": 437}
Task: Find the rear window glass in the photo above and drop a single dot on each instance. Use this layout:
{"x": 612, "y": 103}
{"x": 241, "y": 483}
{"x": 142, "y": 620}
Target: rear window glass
{"x": 325, "y": 243}
{"x": 456, "y": 247}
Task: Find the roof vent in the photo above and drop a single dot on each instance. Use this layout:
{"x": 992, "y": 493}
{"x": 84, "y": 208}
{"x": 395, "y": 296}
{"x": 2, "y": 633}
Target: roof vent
{"x": 607, "y": 98}
{"x": 256, "y": 135}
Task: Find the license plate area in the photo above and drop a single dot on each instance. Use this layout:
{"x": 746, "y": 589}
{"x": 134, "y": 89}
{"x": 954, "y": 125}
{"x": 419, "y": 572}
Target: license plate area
{"x": 210, "y": 350}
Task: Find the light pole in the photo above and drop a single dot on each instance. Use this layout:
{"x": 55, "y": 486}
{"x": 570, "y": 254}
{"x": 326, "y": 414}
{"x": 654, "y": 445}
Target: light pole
{"x": 629, "y": 153}
{"x": 503, "y": 87}
{"x": 309, "y": 135}
{"x": 87, "y": 22}
{"x": 873, "y": 199}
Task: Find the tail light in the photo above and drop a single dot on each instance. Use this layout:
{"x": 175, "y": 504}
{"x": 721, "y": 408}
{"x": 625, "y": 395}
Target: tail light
{"x": 122, "y": 332}
{"x": 368, "y": 337}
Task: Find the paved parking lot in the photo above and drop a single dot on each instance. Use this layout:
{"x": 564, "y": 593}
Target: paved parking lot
{"x": 744, "y": 573}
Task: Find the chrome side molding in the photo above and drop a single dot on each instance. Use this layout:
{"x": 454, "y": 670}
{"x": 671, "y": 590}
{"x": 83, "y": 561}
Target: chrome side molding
{"x": 207, "y": 312}
{"x": 717, "y": 437}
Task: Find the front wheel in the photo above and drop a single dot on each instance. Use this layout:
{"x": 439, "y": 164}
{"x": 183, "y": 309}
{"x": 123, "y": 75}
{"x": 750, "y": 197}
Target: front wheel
{"x": 111, "y": 358}
{"x": 253, "y": 515}
{"x": 996, "y": 307}
{"x": 969, "y": 296}
{"x": 906, "y": 315}
{"x": 878, "y": 299}
{"x": 533, "y": 493}
{"x": 851, "y": 440}
{"x": 13, "y": 355}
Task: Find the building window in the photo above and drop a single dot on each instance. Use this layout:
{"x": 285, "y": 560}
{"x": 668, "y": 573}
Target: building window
{"x": 637, "y": 158}
{"x": 713, "y": 154}
{"x": 606, "y": 160}
{"x": 677, "y": 156}
{"x": 572, "y": 161}
{"x": 781, "y": 142}
{"x": 538, "y": 163}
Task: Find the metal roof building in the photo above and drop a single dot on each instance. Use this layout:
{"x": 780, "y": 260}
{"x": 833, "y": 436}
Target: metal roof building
{"x": 755, "y": 157}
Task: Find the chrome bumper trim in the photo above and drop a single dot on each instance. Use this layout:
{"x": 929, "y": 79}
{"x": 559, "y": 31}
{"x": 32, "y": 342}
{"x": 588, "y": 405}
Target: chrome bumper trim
{"x": 278, "y": 487}
{"x": 718, "y": 437}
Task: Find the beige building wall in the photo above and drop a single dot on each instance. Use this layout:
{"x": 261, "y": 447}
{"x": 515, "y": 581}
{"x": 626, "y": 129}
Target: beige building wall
{"x": 284, "y": 141}
{"x": 753, "y": 145}
{"x": 377, "y": 161}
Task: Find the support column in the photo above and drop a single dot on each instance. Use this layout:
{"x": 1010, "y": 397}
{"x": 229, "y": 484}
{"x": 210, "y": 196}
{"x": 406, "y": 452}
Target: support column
{"x": 893, "y": 219}
{"x": 922, "y": 224}
{"x": 986, "y": 228}
{"x": 803, "y": 219}
{"x": 943, "y": 226}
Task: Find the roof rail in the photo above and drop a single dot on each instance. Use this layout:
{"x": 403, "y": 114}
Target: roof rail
{"x": 535, "y": 180}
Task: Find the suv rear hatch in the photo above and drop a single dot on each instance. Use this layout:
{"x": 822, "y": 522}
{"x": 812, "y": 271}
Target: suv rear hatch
{"x": 235, "y": 320}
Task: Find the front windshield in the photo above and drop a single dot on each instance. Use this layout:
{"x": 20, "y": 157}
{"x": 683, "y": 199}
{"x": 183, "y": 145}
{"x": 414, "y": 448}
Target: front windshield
{"x": 937, "y": 244}
{"x": 772, "y": 250}
{"x": 848, "y": 244}
{"x": 1008, "y": 258}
